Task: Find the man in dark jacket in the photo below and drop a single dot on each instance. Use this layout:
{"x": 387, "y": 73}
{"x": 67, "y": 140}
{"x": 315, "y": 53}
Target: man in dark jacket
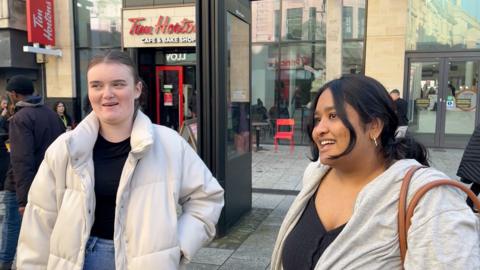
{"x": 33, "y": 128}
{"x": 401, "y": 108}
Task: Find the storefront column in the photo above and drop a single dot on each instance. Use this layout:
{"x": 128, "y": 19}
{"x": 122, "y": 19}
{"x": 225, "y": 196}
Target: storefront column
{"x": 385, "y": 41}
{"x": 60, "y": 71}
{"x": 334, "y": 39}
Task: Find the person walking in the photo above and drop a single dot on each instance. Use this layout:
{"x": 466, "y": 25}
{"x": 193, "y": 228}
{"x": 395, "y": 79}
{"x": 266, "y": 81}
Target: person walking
{"x": 106, "y": 193}
{"x": 9, "y": 227}
{"x": 401, "y": 108}
{"x": 32, "y": 128}
{"x": 469, "y": 168}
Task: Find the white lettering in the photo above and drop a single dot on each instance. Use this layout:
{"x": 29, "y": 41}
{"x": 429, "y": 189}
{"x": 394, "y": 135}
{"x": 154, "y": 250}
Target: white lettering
{"x": 38, "y": 19}
{"x": 48, "y": 31}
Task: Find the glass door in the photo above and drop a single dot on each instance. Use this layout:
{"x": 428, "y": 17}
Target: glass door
{"x": 460, "y": 100}
{"x": 442, "y": 97}
{"x": 169, "y": 93}
{"x": 423, "y": 99}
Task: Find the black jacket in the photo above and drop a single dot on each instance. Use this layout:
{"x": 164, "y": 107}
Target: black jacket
{"x": 469, "y": 169}
{"x": 33, "y": 128}
{"x": 401, "y": 108}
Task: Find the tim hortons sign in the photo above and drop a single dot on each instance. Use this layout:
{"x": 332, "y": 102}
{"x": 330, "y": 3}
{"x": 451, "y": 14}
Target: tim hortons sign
{"x": 159, "y": 27}
{"x": 41, "y": 22}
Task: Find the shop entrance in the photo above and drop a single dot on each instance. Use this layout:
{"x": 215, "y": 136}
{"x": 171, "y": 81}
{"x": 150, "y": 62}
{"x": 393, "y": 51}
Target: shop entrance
{"x": 169, "y": 93}
{"x": 443, "y": 98}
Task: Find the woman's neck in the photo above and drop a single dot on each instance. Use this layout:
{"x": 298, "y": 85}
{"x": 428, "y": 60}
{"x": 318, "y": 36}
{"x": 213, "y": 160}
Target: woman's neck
{"x": 116, "y": 133}
{"x": 360, "y": 173}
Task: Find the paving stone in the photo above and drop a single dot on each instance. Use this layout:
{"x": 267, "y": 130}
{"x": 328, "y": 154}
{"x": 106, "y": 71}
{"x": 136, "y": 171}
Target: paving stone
{"x": 197, "y": 266}
{"x": 245, "y": 264}
{"x": 215, "y": 256}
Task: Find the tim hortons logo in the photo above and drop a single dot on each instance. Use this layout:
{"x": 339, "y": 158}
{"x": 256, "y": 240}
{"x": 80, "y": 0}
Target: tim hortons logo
{"x": 163, "y": 26}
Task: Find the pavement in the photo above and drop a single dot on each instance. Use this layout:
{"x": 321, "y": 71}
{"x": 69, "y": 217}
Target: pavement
{"x": 276, "y": 179}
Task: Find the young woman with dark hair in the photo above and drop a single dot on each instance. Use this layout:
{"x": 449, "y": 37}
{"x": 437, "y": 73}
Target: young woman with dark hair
{"x": 345, "y": 216}
{"x": 60, "y": 108}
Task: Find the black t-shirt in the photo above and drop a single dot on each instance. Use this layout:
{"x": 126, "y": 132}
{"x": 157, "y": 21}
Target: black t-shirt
{"x": 308, "y": 240}
{"x": 108, "y": 161}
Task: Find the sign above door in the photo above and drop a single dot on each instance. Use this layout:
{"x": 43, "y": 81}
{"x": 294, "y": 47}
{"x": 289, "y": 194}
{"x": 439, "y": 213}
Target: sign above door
{"x": 159, "y": 27}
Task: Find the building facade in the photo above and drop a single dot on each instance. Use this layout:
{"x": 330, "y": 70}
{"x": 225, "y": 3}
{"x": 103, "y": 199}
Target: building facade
{"x": 429, "y": 50}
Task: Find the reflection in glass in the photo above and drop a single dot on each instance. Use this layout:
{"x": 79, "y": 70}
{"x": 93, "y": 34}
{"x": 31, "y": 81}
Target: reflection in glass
{"x": 238, "y": 92}
{"x": 353, "y": 19}
{"x": 303, "y": 19}
{"x": 443, "y": 25}
{"x": 423, "y": 105}
{"x": 461, "y": 98}
{"x": 352, "y": 57}
{"x": 265, "y": 20}
{"x": 98, "y": 23}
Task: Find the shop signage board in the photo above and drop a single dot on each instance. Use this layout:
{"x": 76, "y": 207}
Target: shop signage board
{"x": 41, "y": 22}
{"x": 159, "y": 27}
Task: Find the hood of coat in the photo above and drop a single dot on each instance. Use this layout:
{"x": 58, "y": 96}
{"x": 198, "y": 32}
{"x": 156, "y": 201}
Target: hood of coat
{"x": 29, "y": 101}
{"x": 82, "y": 139}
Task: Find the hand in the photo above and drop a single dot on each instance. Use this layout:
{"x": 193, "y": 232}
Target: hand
{"x": 4, "y": 112}
{"x": 21, "y": 210}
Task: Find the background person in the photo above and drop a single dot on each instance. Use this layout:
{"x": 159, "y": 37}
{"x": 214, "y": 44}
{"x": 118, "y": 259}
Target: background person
{"x": 8, "y": 201}
{"x": 345, "y": 216}
{"x": 32, "y": 129}
{"x": 61, "y": 110}
{"x": 106, "y": 194}
{"x": 469, "y": 169}
{"x": 401, "y": 108}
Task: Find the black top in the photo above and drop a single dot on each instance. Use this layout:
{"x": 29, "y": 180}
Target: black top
{"x": 308, "y": 240}
{"x": 108, "y": 161}
{"x": 401, "y": 108}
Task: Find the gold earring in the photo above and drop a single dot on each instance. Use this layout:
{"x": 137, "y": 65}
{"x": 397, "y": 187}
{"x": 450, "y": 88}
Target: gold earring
{"x": 375, "y": 141}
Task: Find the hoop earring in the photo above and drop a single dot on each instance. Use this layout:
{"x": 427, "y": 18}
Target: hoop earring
{"x": 375, "y": 141}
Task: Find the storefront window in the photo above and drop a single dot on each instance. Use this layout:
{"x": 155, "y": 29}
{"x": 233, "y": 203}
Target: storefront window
{"x": 443, "y": 25}
{"x": 98, "y": 23}
{"x": 265, "y": 21}
{"x": 303, "y": 19}
{"x": 352, "y": 57}
{"x": 238, "y": 88}
{"x": 97, "y": 29}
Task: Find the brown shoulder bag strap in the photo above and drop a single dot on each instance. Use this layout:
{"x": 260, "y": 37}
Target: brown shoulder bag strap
{"x": 405, "y": 213}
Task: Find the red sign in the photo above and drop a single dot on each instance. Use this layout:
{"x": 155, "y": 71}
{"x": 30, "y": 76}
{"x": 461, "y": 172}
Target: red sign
{"x": 163, "y": 26}
{"x": 41, "y": 22}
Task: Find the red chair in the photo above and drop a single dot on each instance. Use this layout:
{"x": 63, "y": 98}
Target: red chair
{"x": 284, "y": 135}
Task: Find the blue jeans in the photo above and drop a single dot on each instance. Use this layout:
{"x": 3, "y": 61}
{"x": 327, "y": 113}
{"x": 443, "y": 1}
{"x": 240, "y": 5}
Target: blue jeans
{"x": 10, "y": 222}
{"x": 99, "y": 254}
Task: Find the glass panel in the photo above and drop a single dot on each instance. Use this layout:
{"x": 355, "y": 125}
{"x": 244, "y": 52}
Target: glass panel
{"x": 238, "y": 88}
{"x": 443, "y": 25}
{"x": 303, "y": 19}
{"x": 423, "y": 89}
{"x": 98, "y": 23}
{"x": 461, "y": 98}
{"x": 168, "y": 81}
{"x": 352, "y": 57}
{"x": 353, "y": 19}
{"x": 265, "y": 20}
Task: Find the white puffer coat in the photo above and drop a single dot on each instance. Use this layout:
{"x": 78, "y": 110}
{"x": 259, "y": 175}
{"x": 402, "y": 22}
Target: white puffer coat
{"x": 161, "y": 170}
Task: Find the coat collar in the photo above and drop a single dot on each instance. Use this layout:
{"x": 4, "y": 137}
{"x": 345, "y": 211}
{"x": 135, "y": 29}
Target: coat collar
{"x": 82, "y": 139}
